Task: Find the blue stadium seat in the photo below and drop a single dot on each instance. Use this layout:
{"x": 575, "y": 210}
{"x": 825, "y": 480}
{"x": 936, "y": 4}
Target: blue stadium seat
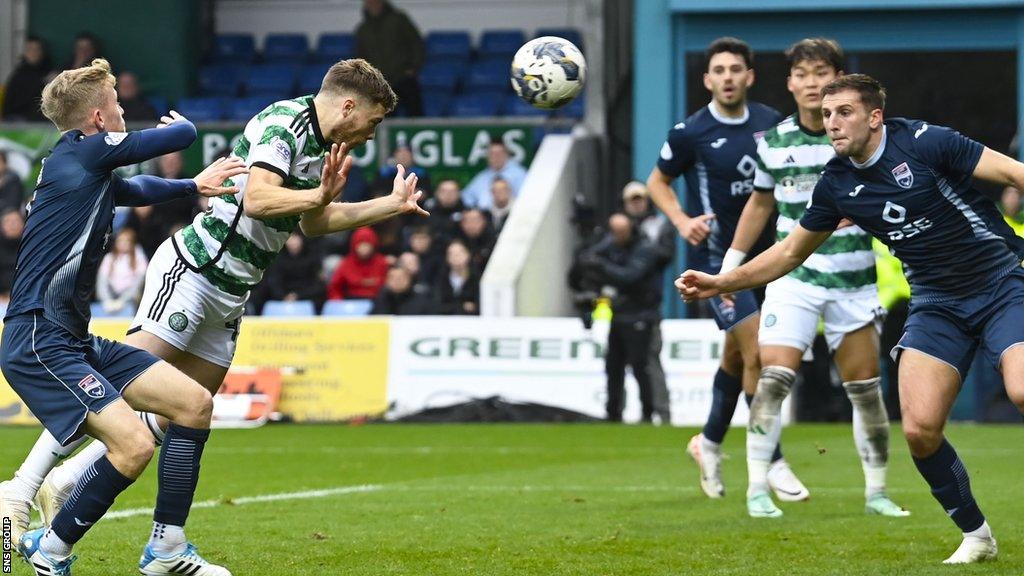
{"x": 440, "y": 76}
{"x": 234, "y": 48}
{"x": 436, "y": 103}
{"x": 489, "y": 75}
{"x": 512, "y": 105}
{"x": 271, "y": 79}
{"x": 98, "y": 312}
{"x": 473, "y": 105}
{"x": 574, "y": 109}
{"x": 311, "y": 76}
{"x": 286, "y": 48}
{"x": 449, "y": 43}
{"x": 205, "y": 109}
{"x": 571, "y": 34}
{"x": 501, "y": 43}
{"x": 347, "y": 307}
{"x": 333, "y": 47}
{"x": 295, "y": 308}
{"x": 243, "y": 109}
{"x": 221, "y": 79}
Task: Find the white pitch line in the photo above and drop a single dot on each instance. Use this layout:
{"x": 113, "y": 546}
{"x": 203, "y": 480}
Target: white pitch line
{"x": 243, "y": 500}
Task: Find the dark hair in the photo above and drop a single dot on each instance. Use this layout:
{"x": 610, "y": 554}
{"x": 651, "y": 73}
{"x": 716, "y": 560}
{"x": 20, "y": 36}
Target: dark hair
{"x": 497, "y": 141}
{"x": 732, "y": 46}
{"x": 811, "y": 49}
{"x": 871, "y": 92}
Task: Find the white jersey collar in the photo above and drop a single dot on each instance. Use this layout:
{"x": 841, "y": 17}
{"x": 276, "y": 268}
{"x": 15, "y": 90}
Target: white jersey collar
{"x": 713, "y": 108}
{"x": 878, "y": 152}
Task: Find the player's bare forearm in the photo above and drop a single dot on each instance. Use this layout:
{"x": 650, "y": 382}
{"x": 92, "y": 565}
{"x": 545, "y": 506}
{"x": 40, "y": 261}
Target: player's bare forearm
{"x": 664, "y": 197}
{"x": 1000, "y": 169}
{"x": 773, "y": 263}
{"x": 756, "y": 213}
{"x": 340, "y": 216}
{"x": 264, "y": 200}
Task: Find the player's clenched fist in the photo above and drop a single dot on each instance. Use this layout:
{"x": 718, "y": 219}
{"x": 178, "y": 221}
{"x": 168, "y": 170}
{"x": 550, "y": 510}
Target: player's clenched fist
{"x": 693, "y": 285}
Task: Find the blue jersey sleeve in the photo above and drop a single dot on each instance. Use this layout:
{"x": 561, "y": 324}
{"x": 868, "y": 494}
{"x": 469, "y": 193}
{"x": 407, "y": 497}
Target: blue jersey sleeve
{"x": 949, "y": 151}
{"x": 821, "y": 215}
{"x": 144, "y": 190}
{"x": 678, "y": 153}
{"x": 109, "y": 150}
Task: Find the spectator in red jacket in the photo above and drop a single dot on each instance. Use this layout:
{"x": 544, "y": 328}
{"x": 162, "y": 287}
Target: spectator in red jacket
{"x": 360, "y": 274}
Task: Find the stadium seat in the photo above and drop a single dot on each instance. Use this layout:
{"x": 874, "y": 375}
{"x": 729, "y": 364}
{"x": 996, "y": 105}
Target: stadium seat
{"x": 294, "y": 308}
{"x": 347, "y": 307}
{"x": 286, "y": 48}
{"x": 243, "y": 109}
{"x": 440, "y": 76}
{"x": 234, "y": 48}
{"x": 574, "y": 109}
{"x": 311, "y": 76}
{"x": 271, "y": 79}
{"x": 473, "y": 105}
{"x": 488, "y": 75}
{"x": 501, "y": 43}
{"x": 205, "y": 109}
{"x": 436, "y": 103}
{"x": 333, "y": 47}
{"x": 221, "y": 79}
{"x": 512, "y": 105}
{"x": 97, "y": 311}
{"x": 571, "y": 34}
{"x": 449, "y": 43}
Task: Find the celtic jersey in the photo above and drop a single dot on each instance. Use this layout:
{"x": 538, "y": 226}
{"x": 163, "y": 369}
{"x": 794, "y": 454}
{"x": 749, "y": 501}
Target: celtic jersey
{"x": 790, "y": 160}
{"x": 232, "y": 250}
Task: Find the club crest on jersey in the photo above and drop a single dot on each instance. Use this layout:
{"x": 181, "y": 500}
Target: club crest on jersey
{"x": 91, "y": 386}
{"x": 904, "y": 177}
{"x": 115, "y": 138}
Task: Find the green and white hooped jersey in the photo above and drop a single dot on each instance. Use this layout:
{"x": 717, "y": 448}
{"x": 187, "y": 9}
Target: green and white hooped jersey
{"x": 233, "y": 250}
{"x": 790, "y": 162}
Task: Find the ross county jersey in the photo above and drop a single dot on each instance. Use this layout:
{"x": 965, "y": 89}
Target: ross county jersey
{"x": 915, "y": 195}
{"x": 233, "y": 250}
{"x": 71, "y": 212}
{"x": 718, "y": 155}
{"x": 790, "y": 160}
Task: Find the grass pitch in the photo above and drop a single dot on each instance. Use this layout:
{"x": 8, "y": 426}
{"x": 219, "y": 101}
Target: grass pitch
{"x": 548, "y": 500}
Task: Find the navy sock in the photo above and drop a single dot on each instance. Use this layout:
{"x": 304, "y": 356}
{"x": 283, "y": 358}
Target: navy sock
{"x": 178, "y": 473}
{"x": 946, "y": 474}
{"x": 724, "y": 394}
{"x": 89, "y": 501}
{"x": 777, "y": 455}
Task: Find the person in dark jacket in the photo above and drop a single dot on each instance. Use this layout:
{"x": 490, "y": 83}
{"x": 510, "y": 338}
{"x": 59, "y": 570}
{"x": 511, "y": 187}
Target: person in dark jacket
{"x": 25, "y": 84}
{"x": 627, "y": 268}
{"x": 458, "y": 287}
{"x": 12, "y": 191}
{"x": 295, "y": 274}
{"x": 398, "y": 296}
{"x": 388, "y": 39}
{"x": 446, "y": 208}
{"x": 12, "y": 224}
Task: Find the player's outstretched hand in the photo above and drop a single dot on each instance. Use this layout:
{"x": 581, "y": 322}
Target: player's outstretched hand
{"x": 334, "y": 175}
{"x": 696, "y": 229}
{"x": 693, "y": 285}
{"x": 210, "y": 182}
{"x": 406, "y": 193}
{"x": 171, "y": 118}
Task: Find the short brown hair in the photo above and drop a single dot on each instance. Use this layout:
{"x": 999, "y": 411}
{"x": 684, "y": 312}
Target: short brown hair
{"x": 871, "y": 92}
{"x": 73, "y": 94}
{"x": 811, "y": 49}
{"x": 732, "y": 46}
{"x": 359, "y": 76}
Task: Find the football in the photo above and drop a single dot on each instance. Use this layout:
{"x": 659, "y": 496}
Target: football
{"x": 548, "y": 72}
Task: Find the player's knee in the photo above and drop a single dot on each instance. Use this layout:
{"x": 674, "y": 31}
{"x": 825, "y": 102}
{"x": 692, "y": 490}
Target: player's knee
{"x": 132, "y": 453}
{"x": 922, "y": 438}
{"x": 203, "y": 403}
{"x": 1016, "y": 394}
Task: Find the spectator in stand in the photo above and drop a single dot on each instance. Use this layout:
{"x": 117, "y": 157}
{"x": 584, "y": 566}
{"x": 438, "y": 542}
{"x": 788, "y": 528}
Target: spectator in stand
{"x": 388, "y": 39}
{"x": 475, "y": 233}
{"x": 25, "y": 84}
{"x": 445, "y": 209}
{"x": 295, "y": 274}
{"x": 12, "y": 191}
{"x": 136, "y": 108}
{"x": 149, "y": 229}
{"x": 458, "y": 288}
{"x": 501, "y": 203}
{"x": 499, "y": 165}
{"x": 179, "y": 212}
{"x": 403, "y": 155}
{"x": 431, "y": 258}
{"x": 399, "y": 296}
{"x": 12, "y": 224}
{"x": 121, "y": 274}
{"x": 87, "y": 47}
{"x": 360, "y": 274}
{"x": 410, "y": 262}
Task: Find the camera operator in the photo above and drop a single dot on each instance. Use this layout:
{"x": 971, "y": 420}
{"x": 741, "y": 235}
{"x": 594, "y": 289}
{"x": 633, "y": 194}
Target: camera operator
{"x": 626, "y": 267}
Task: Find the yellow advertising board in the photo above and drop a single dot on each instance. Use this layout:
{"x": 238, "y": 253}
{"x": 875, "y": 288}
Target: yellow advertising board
{"x": 332, "y": 368}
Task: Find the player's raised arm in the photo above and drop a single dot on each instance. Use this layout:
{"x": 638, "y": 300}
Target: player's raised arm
{"x": 110, "y": 150}
{"x": 144, "y": 190}
{"x": 999, "y": 169}
{"x": 265, "y": 194}
{"x": 771, "y": 264}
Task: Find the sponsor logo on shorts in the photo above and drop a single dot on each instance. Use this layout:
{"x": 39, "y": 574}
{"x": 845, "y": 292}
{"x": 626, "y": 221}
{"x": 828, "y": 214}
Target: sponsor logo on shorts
{"x": 770, "y": 320}
{"x": 91, "y": 386}
{"x": 178, "y": 321}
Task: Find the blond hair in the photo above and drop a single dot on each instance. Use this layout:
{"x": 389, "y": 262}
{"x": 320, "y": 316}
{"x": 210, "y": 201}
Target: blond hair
{"x": 70, "y": 98}
{"x": 359, "y": 76}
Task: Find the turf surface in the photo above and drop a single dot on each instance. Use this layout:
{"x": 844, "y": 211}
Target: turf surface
{"x": 549, "y": 500}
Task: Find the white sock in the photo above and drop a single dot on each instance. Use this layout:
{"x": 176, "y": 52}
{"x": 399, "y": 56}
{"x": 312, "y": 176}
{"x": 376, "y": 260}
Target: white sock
{"x": 709, "y": 446}
{"x": 765, "y": 425}
{"x": 67, "y": 474}
{"x": 54, "y": 547}
{"x": 40, "y": 460}
{"x": 982, "y": 531}
{"x": 874, "y": 480}
{"x": 870, "y": 431}
{"x": 167, "y": 539}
